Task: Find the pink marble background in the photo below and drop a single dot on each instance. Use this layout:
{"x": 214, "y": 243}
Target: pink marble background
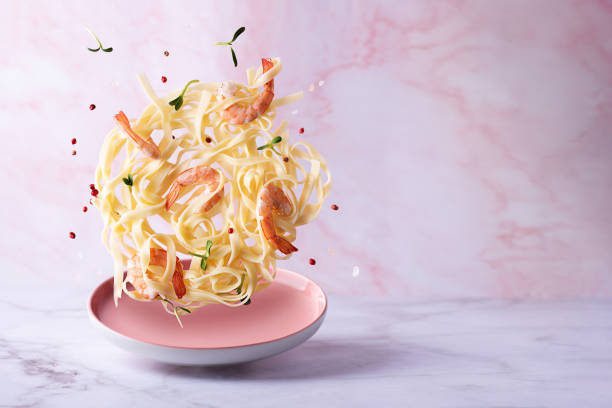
{"x": 469, "y": 141}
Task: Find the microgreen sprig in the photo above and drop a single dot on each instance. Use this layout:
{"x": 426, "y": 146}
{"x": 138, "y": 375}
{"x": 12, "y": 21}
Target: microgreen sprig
{"x": 229, "y": 43}
{"x": 175, "y": 309}
{"x": 129, "y": 181}
{"x": 274, "y": 141}
{"x": 248, "y": 302}
{"x": 100, "y": 47}
{"x": 178, "y": 101}
{"x": 204, "y": 263}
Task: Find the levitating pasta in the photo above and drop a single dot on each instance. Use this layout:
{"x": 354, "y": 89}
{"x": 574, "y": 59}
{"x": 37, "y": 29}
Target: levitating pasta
{"x": 210, "y": 180}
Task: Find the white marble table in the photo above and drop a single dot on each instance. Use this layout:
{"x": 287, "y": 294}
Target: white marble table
{"x": 369, "y": 352}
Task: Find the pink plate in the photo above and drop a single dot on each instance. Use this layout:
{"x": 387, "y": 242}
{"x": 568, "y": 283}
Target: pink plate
{"x": 280, "y": 317}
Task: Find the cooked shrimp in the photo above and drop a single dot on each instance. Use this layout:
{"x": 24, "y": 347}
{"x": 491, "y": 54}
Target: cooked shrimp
{"x": 272, "y": 201}
{"x": 157, "y": 258}
{"x": 196, "y": 175}
{"x": 147, "y": 147}
{"x": 239, "y": 114}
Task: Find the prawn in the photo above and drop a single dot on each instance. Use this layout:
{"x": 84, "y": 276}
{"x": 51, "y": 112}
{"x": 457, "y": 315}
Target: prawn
{"x": 272, "y": 201}
{"x": 196, "y": 175}
{"x": 238, "y": 114}
{"x": 157, "y": 258}
{"x": 147, "y": 147}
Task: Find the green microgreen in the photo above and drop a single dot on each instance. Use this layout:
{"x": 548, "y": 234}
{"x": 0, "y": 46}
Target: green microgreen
{"x": 274, "y": 141}
{"x": 204, "y": 263}
{"x": 129, "y": 180}
{"x": 178, "y": 101}
{"x": 175, "y": 310}
{"x": 100, "y": 47}
{"x": 248, "y": 302}
{"x": 229, "y": 44}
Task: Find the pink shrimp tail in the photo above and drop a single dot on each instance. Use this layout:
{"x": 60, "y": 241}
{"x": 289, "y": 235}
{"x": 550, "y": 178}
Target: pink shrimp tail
{"x": 122, "y": 120}
{"x": 213, "y": 200}
{"x": 283, "y": 245}
{"x": 178, "y": 283}
{"x": 173, "y": 193}
{"x": 267, "y": 64}
{"x": 146, "y": 146}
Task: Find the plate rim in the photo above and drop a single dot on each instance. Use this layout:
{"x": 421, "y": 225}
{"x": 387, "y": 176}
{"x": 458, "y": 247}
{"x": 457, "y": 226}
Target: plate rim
{"x": 96, "y": 320}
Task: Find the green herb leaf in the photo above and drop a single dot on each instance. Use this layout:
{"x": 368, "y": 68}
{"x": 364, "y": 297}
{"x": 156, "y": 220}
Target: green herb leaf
{"x": 204, "y": 262}
{"x": 229, "y": 43}
{"x": 129, "y": 181}
{"x": 178, "y": 101}
{"x": 234, "y": 57}
{"x": 274, "y": 141}
{"x": 175, "y": 310}
{"x": 237, "y": 33}
{"x": 100, "y": 47}
{"x": 178, "y": 104}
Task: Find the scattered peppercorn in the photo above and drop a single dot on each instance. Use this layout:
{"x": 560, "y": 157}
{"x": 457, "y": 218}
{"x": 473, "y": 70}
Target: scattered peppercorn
{"x": 92, "y": 107}
{"x": 173, "y": 137}
{"x": 94, "y": 192}
{"x": 285, "y": 159}
{"x": 208, "y": 140}
{"x": 312, "y": 261}
{"x": 84, "y": 209}
{"x": 74, "y": 152}
{"x": 334, "y": 207}
{"x": 91, "y": 201}
{"x": 230, "y": 230}
{"x": 301, "y": 130}
{"x": 92, "y": 186}
{"x": 73, "y": 140}
{"x": 164, "y": 79}
{"x": 166, "y": 53}
{"x": 72, "y": 235}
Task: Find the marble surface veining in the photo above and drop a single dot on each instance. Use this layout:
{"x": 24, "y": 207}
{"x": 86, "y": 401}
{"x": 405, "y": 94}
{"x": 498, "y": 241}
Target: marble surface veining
{"x": 469, "y": 143}
{"x": 385, "y": 352}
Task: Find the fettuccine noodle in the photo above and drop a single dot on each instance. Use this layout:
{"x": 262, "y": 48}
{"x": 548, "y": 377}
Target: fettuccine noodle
{"x": 135, "y": 217}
